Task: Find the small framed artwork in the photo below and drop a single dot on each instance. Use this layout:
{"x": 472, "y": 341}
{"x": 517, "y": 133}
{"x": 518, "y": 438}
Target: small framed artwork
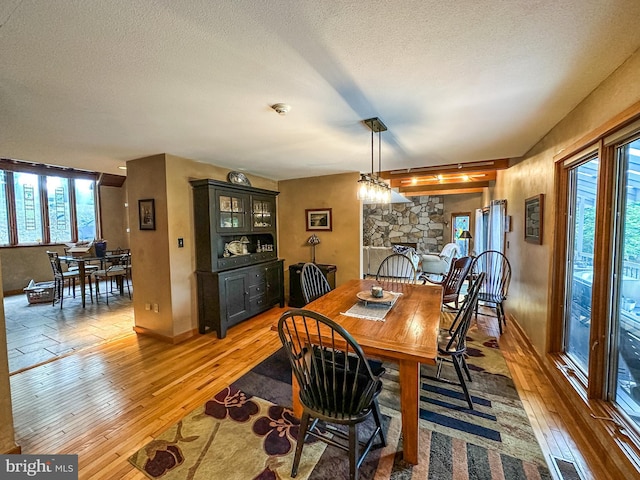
{"x": 147, "y": 213}
{"x": 318, "y": 219}
{"x": 533, "y": 218}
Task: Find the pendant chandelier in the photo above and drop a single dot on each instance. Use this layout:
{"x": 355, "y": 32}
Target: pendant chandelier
{"x": 371, "y": 188}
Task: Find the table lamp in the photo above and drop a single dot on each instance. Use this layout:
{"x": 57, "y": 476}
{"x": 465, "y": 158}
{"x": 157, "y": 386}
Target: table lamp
{"x": 313, "y": 240}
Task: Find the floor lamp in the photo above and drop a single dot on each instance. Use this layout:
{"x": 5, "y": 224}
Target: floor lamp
{"x": 466, "y": 235}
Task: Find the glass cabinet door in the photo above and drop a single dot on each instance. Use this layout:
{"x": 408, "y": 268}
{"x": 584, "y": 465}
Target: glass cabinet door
{"x": 261, "y": 213}
{"x": 231, "y": 210}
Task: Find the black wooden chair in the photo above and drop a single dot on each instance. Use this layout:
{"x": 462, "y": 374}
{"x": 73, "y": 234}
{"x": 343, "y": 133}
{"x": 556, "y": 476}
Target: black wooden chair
{"x": 314, "y": 283}
{"x": 452, "y": 348}
{"x": 397, "y": 268}
{"x": 60, "y": 277}
{"x": 118, "y": 270}
{"x": 456, "y": 276}
{"x": 337, "y": 385}
{"x": 493, "y": 291}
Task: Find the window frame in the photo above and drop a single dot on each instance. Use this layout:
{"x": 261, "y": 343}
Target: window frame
{"x": 590, "y": 394}
{"x": 10, "y": 167}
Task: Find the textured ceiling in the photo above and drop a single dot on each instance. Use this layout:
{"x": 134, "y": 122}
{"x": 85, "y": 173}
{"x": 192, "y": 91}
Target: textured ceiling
{"x": 92, "y": 84}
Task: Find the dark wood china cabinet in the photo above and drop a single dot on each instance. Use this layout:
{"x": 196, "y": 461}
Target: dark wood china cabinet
{"x": 238, "y": 272}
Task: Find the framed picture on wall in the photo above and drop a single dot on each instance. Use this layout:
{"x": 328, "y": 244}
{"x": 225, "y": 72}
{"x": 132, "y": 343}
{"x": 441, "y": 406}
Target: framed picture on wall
{"x": 318, "y": 219}
{"x": 533, "y": 218}
{"x": 147, "y": 214}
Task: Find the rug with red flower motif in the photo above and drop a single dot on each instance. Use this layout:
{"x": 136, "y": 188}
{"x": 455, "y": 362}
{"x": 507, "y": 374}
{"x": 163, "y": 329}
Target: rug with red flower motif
{"x": 246, "y": 432}
{"x": 233, "y": 436}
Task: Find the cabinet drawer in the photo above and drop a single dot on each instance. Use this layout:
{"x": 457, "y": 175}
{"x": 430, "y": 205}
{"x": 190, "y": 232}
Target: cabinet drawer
{"x": 232, "y": 262}
{"x": 257, "y": 290}
{"x": 257, "y": 276}
{"x": 258, "y": 304}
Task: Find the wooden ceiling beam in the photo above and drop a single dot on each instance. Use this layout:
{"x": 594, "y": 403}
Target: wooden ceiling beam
{"x": 418, "y": 180}
{"x": 442, "y": 192}
{"x": 480, "y": 166}
{"x": 458, "y": 187}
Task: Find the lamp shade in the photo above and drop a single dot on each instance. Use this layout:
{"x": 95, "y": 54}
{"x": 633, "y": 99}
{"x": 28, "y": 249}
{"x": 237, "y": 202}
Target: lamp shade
{"x": 313, "y": 240}
{"x": 465, "y": 234}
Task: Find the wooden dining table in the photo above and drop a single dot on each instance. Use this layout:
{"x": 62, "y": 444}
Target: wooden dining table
{"x": 408, "y": 336}
{"x": 82, "y": 261}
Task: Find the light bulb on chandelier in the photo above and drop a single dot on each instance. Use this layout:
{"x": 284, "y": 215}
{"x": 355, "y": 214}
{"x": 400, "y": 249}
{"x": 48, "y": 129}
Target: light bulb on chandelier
{"x": 371, "y": 188}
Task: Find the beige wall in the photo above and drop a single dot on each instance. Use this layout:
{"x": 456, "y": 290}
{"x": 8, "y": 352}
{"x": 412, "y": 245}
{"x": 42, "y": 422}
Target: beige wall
{"x": 7, "y": 440}
{"x": 163, "y": 274}
{"x": 529, "y": 291}
{"x": 114, "y": 216}
{"x": 341, "y": 246}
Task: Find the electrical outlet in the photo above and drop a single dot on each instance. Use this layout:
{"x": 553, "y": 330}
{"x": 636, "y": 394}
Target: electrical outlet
{"x": 147, "y": 306}
{"x": 180, "y": 242}
{"x": 156, "y": 308}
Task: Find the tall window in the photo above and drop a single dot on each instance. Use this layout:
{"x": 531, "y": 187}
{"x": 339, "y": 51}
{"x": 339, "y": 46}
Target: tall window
{"x": 579, "y": 279}
{"x": 28, "y": 209}
{"x": 86, "y": 209}
{"x": 625, "y": 361}
{"x": 42, "y": 205}
{"x": 59, "y": 209}
{"x": 595, "y": 327}
{"x": 4, "y": 213}
{"x": 459, "y": 223}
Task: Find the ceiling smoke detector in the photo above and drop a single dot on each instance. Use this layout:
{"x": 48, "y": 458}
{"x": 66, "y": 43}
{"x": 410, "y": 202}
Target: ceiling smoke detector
{"x": 281, "y": 108}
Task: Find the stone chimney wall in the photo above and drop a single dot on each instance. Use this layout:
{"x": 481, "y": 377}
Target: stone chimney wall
{"x": 421, "y": 221}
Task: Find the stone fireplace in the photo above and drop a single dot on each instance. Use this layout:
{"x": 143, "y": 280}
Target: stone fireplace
{"x": 420, "y": 221}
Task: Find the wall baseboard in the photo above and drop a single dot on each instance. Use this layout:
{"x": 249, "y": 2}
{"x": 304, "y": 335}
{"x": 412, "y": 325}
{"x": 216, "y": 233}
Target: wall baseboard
{"x": 172, "y": 340}
{"x": 16, "y": 450}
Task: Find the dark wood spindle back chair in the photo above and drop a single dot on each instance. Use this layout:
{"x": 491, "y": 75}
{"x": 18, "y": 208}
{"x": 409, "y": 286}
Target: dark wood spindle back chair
{"x": 336, "y": 383}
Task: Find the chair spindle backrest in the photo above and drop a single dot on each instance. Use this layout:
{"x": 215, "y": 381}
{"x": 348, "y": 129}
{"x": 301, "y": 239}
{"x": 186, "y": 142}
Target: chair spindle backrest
{"x": 314, "y": 283}
{"x": 455, "y": 278}
{"x": 332, "y": 371}
{"x": 56, "y": 266}
{"x": 397, "y": 268}
{"x": 497, "y": 271}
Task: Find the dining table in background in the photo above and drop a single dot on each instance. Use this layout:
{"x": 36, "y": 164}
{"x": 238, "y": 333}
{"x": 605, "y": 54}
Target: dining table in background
{"x": 408, "y": 335}
{"x": 82, "y": 261}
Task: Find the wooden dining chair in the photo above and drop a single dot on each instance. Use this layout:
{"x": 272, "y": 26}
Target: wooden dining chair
{"x": 397, "y": 268}
{"x": 337, "y": 385}
{"x": 118, "y": 271}
{"x": 454, "y": 280}
{"x": 452, "y": 348}
{"x": 314, "y": 283}
{"x": 493, "y": 291}
{"x": 60, "y": 277}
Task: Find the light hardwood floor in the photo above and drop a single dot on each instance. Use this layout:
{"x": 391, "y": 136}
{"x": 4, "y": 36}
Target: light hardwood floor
{"x": 105, "y": 402}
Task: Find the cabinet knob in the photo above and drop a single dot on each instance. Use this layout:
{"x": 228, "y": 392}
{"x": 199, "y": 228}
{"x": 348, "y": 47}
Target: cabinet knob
{"x": 246, "y": 293}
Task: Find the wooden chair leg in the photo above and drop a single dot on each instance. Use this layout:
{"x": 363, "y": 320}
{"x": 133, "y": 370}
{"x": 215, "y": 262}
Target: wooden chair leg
{"x": 353, "y": 452}
{"x": 302, "y": 433}
{"x": 97, "y": 289}
{"x": 90, "y": 288}
{"x": 463, "y": 384}
{"x": 378, "y": 418}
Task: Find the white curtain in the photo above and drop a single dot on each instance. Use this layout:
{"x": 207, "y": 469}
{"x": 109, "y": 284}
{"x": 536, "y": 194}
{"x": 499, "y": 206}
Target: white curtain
{"x": 497, "y": 212}
{"x": 478, "y": 241}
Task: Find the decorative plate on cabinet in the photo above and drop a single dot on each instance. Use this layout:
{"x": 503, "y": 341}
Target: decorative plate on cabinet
{"x": 238, "y": 178}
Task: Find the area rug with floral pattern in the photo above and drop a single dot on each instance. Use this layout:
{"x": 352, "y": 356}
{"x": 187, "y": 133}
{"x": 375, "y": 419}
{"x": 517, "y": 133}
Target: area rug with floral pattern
{"x": 247, "y": 431}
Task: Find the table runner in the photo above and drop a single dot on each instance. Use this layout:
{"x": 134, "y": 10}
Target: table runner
{"x": 370, "y": 310}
